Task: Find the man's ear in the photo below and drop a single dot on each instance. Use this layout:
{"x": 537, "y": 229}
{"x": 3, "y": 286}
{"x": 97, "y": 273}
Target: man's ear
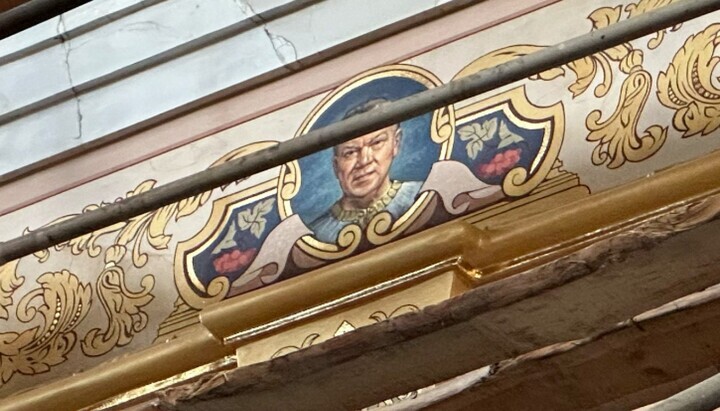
{"x": 334, "y": 163}
{"x": 398, "y": 141}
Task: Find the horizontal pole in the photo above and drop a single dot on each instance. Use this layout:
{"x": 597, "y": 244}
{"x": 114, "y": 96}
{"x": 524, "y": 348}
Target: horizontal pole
{"x": 704, "y": 396}
{"x": 353, "y": 127}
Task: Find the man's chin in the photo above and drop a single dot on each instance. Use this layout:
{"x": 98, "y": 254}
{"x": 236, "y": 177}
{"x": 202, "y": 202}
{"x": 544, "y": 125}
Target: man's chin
{"x": 363, "y": 189}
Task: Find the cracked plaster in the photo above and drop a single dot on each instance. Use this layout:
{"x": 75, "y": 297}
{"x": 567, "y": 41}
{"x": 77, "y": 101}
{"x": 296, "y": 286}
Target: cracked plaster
{"x": 233, "y": 61}
{"x": 284, "y": 48}
{"x": 65, "y": 43}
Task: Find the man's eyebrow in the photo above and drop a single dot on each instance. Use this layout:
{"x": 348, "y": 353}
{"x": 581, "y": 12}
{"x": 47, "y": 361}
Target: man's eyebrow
{"x": 349, "y": 146}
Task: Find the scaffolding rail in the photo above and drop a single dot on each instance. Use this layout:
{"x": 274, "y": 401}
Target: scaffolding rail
{"x": 388, "y": 114}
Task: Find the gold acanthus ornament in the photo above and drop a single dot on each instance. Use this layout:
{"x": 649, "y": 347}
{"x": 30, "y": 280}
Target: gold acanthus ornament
{"x": 688, "y": 86}
{"x": 149, "y": 226}
{"x": 59, "y": 304}
{"x": 9, "y": 282}
{"x": 122, "y": 306}
{"x": 643, "y": 6}
{"x": 616, "y": 138}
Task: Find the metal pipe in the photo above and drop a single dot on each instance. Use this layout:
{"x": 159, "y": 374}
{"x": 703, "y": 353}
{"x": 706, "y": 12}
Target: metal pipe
{"x": 703, "y": 396}
{"x": 34, "y": 12}
{"x": 353, "y": 127}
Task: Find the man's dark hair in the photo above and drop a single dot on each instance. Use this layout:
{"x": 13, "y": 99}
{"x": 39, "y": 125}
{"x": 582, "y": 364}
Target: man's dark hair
{"x": 365, "y": 107}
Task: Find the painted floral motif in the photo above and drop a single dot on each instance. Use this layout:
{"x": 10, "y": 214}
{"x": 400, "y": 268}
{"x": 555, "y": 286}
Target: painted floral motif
{"x": 479, "y": 134}
{"x": 493, "y": 149}
{"x": 240, "y": 244}
{"x": 255, "y": 220}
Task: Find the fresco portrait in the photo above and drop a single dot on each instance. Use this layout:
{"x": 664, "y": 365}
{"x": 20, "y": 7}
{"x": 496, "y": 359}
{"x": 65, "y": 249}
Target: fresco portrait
{"x": 380, "y": 172}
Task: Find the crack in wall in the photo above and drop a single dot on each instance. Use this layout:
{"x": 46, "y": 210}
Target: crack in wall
{"x": 245, "y": 6}
{"x": 65, "y": 43}
{"x": 284, "y": 49}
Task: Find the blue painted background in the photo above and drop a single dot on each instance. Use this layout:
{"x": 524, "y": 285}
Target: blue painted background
{"x": 319, "y": 188}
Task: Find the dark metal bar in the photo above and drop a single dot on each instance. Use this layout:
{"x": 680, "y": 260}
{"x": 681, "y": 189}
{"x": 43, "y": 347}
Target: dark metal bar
{"x": 704, "y": 396}
{"x": 34, "y": 12}
{"x": 345, "y": 130}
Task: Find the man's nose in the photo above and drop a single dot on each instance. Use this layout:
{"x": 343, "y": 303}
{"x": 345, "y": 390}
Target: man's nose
{"x": 365, "y": 156}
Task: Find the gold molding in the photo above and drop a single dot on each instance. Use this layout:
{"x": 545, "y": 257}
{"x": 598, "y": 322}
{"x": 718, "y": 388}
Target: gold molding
{"x": 333, "y": 282}
{"x": 121, "y": 401}
{"x": 344, "y": 300}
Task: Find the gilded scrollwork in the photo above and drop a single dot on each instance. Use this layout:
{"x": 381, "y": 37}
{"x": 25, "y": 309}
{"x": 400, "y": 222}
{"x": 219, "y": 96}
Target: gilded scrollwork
{"x": 122, "y": 307}
{"x": 345, "y": 327}
{"x": 308, "y": 341}
{"x": 617, "y": 138}
{"x": 9, "y": 282}
{"x": 380, "y": 315}
{"x": 687, "y": 85}
{"x": 149, "y": 226}
{"x": 60, "y": 304}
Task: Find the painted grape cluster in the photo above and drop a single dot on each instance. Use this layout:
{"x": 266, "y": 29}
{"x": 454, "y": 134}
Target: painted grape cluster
{"x": 234, "y": 260}
{"x": 500, "y": 164}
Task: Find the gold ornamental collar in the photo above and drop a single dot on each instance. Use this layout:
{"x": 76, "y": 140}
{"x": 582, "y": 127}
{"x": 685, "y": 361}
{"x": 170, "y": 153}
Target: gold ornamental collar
{"x": 363, "y": 216}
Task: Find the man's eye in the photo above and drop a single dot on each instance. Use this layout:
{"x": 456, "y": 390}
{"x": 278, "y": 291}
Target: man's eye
{"x": 348, "y": 154}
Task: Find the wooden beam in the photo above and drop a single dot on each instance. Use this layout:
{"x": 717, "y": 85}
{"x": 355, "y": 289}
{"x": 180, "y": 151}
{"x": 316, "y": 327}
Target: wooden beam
{"x": 629, "y": 365}
{"x": 585, "y": 293}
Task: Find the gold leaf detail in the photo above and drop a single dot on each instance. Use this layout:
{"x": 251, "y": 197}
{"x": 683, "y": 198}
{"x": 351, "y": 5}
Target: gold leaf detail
{"x": 379, "y": 316}
{"x": 65, "y": 303}
{"x": 643, "y": 6}
{"x": 123, "y": 309}
{"x": 605, "y": 16}
{"x": 9, "y": 282}
{"x": 687, "y": 85}
{"x": 308, "y": 341}
{"x": 617, "y": 137}
{"x": 149, "y": 227}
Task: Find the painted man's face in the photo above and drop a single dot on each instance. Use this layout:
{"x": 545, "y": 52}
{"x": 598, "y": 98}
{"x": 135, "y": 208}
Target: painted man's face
{"x": 362, "y": 165}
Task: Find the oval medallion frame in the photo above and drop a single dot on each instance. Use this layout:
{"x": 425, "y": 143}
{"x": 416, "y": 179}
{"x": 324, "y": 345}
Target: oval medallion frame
{"x": 381, "y": 229}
